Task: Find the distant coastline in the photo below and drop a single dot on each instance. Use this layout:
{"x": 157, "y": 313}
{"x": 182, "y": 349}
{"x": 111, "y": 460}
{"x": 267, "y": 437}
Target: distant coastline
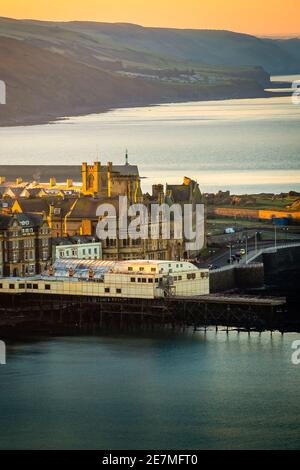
{"x": 44, "y": 118}
{"x": 84, "y": 68}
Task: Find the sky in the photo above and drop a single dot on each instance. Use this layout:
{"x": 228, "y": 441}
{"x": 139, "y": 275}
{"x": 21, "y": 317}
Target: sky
{"x": 258, "y": 17}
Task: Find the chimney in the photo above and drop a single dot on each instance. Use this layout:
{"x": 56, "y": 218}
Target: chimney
{"x": 69, "y": 183}
{"x": 19, "y": 180}
{"x": 2, "y": 179}
{"x": 52, "y": 182}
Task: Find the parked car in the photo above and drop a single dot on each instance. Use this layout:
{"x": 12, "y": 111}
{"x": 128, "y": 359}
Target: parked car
{"x": 229, "y": 230}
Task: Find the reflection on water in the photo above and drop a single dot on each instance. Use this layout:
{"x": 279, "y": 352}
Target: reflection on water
{"x": 159, "y": 390}
{"x": 242, "y": 145}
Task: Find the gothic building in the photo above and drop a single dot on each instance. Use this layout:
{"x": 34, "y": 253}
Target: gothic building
{"x": 25, "y": 245}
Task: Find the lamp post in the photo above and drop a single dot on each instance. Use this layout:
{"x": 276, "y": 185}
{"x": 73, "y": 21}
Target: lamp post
{"x": 256, "y": 233}
{"x": 230, "y": 252}
{"x": 246, "y": 247}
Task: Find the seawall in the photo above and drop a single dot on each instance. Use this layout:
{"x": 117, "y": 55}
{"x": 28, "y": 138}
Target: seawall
{"x": 237, "y": 277}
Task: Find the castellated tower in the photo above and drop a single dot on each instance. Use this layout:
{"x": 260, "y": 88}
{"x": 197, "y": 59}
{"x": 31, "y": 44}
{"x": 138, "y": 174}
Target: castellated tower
{"x": 91, "y": 179}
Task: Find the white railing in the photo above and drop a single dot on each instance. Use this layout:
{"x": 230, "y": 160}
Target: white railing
{"x": 270, "y": 249}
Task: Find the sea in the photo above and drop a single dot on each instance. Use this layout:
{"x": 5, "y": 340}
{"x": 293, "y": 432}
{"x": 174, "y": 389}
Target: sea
{"x": 241, "y": 145}
{"x": 151, "y": 390}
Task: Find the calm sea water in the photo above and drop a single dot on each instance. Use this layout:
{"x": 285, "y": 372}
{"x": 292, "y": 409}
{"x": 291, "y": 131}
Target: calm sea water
{"x": 242, "y": 145}
{"x": 162, "y": 391}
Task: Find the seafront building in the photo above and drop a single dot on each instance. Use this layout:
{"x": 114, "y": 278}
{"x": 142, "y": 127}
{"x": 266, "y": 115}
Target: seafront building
{"x": 79, "y": 248}
{"x": 116, "y": 279}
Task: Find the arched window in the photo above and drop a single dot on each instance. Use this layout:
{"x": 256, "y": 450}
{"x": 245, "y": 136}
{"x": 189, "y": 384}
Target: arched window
{"x": 90, "y": 181}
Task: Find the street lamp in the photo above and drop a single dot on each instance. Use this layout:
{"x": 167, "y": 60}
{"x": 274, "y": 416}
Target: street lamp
{"x": 256, "y": 233}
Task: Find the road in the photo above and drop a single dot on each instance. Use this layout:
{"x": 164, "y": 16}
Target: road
{"x": 221, "y": 259}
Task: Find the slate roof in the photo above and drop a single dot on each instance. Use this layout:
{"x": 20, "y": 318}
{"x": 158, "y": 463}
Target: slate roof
{"x": 35, "y": 205}
{"x": 30, "y": 220}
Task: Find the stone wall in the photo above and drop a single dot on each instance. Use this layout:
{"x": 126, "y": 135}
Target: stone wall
{"x": 237, "y": 277}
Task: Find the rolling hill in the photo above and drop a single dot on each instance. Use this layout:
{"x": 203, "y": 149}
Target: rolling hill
{"x": 57, "y": 69}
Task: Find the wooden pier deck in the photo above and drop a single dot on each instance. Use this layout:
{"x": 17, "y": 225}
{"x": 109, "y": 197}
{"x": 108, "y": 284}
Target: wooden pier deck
{"x": 244, "y": 312}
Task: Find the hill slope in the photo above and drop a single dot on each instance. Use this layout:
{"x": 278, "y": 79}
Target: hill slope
{"x": 137, "y": 45}
{"x": 60, "y": 69}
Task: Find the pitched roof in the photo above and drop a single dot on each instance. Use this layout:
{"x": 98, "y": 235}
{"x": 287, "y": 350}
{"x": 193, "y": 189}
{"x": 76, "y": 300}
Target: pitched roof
{"x": 15, "y": 191}
{"x": 35, "y": 205}
{"x": 29, "y": 220}
{"x": 32, "y": 191}
{"x": 86, "y": 208}
{"x": 126, "y": 170}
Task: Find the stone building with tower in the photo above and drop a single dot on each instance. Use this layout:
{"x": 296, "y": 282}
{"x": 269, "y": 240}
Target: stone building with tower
{"x": 110, "y": 180}
{"x": 71, "y": 207}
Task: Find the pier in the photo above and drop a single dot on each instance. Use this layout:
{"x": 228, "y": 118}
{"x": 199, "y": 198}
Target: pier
{"x": 40, "y": 311}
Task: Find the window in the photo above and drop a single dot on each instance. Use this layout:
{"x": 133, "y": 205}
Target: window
{"x": 107, "y": 290}
{"x": 119, "y": 291}
{"x": 11, "y": 286}
{"x": 29, "y": 286}
{"x": 156, "y": 279}
{"x": 21, "y": 286}
{"x": 179, "y": 278}
{"x": 35, "y": 286}
{"x": 144, "y": 280}
{"x": 132, "y": 279}
{"x": 191, "y": 276}
{"x": 141, "y": 269}
{"x": 150, "y": 280}
{"x": 130, "y": 268}
{"x": 139, "y": 279}
{"x": 153, "y": 270}
{"x": 47, "y": 287}
{"x": 1, "y": 286}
